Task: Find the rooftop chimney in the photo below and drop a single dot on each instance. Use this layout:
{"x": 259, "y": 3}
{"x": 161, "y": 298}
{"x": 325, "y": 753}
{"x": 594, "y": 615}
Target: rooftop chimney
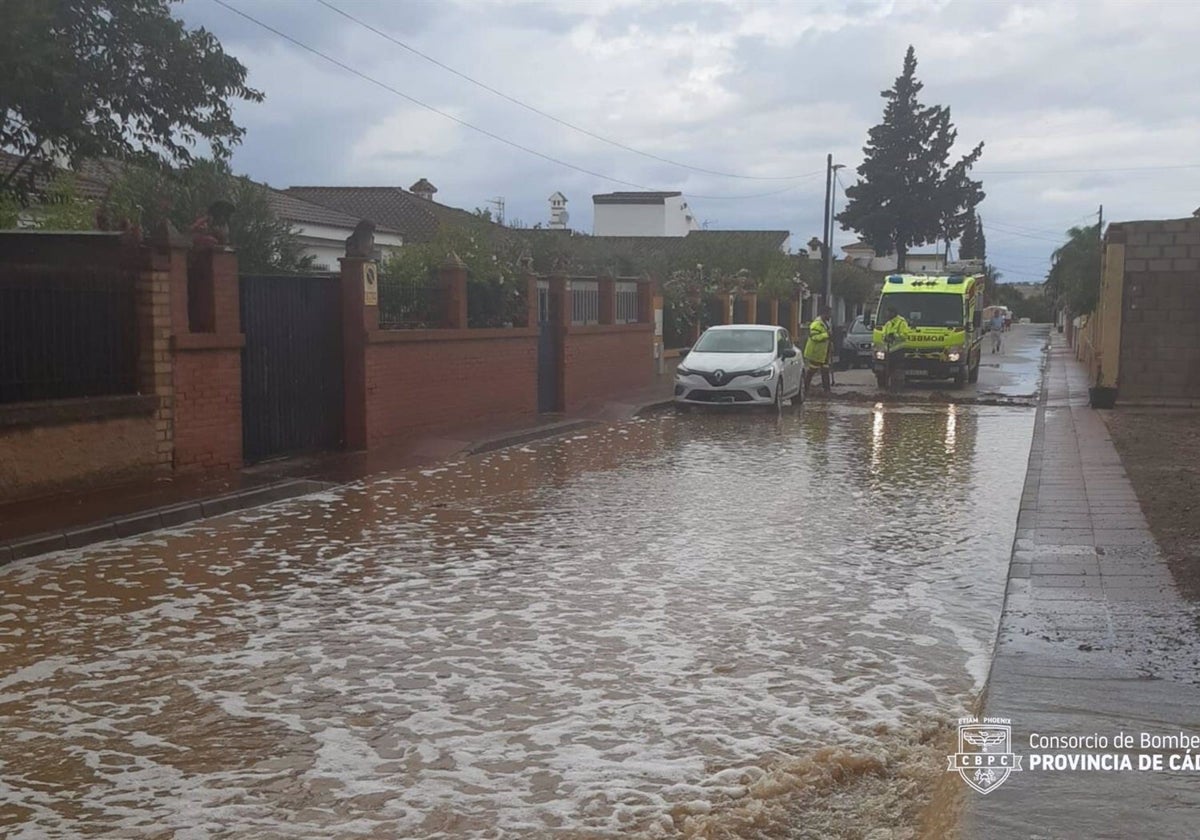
{"x": 558, "y": 211}
{"x": 423, "y": 189}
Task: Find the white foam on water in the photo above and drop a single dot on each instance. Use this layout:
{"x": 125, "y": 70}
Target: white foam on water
{"x": 582, "y": 639}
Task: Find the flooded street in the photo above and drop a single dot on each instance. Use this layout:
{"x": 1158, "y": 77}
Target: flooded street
{"x": 644, "y": 629}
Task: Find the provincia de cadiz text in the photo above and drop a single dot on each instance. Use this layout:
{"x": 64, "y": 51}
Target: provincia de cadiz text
{"x": 990, "y": 752}
{"x": 1123, "y": 751}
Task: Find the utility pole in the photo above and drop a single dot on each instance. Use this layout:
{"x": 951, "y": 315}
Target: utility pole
{"x": 826, "y": 254}
{"x": 1100, "y": 225}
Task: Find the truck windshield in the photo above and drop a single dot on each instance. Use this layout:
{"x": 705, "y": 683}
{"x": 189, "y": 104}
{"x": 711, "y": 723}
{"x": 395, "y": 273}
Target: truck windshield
{"x": 736, "y": 341}
{"x": 924, "y": 309}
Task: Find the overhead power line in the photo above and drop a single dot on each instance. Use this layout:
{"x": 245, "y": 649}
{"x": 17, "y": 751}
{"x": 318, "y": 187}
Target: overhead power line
{"x": 485, "y": 132}
{"x": 1085, "y": 171}
{"x": 534, "y": 109}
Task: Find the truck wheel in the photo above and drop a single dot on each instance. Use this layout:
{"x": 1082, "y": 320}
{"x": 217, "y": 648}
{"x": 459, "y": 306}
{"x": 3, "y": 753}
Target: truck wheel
{"x": 960, "y": 377}
{"x": 881, "y": 380}
{"x": 973, "y": 374}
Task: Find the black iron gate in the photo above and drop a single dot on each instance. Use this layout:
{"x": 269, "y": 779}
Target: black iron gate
{"x": 547, "y": 357}
{"x": 292, "y": 393}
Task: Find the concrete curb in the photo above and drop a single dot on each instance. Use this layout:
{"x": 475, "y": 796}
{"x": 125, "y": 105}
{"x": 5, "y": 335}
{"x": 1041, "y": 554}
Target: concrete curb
{"x": 145, "y": 521}
{"x": 527, "y": 436}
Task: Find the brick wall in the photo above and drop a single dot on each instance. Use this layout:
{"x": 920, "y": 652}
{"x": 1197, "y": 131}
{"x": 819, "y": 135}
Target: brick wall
{"x": 49, "y": 456}
{"x": 421, "y": 380}
{"x": 1160, "y": 313}
{"x": 53, "y": 445}
{"x": 208, "y": 409}
{"x": 606, "y": 362}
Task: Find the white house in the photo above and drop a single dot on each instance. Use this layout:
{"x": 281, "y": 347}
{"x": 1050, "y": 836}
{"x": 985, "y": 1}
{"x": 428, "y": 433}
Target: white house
{"x": 642, "y": 214}
{"x": 925, "y": 263}
{"x": 323, "y": 231}
{"x": 864, "y": 256}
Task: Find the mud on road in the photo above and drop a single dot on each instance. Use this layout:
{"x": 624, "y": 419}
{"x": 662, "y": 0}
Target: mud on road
{"x": 1160, "y": 450}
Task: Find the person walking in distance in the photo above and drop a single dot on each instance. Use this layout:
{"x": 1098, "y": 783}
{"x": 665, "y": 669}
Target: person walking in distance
{"x": 817, "y": 350}
{"x": 996, "y": 326}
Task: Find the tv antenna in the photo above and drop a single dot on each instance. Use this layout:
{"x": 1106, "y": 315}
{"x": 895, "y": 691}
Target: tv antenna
{"x": 498, "y": 203}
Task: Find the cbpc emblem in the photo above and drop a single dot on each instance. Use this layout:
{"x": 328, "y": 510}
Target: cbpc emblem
{"x": 987, "y": 765}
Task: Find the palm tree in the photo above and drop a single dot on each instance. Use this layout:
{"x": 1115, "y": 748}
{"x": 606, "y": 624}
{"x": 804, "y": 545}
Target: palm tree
{"x": 1074, "y": 277}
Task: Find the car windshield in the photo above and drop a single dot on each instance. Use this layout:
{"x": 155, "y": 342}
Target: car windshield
{"x": 859, "y": 327}
{"x": 736, "y": 341}
{"x": 924, "y": 309}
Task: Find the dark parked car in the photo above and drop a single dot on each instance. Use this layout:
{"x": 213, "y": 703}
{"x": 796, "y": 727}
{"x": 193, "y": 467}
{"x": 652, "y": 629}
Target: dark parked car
{"x": 856, "y": 346}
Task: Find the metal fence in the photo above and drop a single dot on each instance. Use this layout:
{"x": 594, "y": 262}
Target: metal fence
{"x": 626, "y": 311}
{"x": 585, "y": 302}
{"x": 411, "y": 305}
{"x": 66, "y": 333}
{"x": 496, "y": 303}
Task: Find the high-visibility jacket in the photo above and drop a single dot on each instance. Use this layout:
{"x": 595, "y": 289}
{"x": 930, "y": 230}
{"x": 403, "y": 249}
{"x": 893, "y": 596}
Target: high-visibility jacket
{"x": 898, "y": 327}
{"x": 816, "y": 349}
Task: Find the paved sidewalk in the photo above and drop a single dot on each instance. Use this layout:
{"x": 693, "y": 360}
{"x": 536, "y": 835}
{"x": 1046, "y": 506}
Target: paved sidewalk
{"x": 1094, "y": 639}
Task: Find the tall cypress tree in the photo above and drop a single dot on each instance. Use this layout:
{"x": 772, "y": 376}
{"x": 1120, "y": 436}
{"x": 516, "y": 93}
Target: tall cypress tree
{"x": 968, "y": 245}
{"x": 908, "y": 193}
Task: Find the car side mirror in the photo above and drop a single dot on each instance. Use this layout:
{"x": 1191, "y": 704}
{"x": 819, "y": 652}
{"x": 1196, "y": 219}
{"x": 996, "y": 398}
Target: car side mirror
{"x": 789, "y": 352}
{"x": 977, "y": 321}
{"x": 684, "y": 351}
{"x": 867, "y": 321}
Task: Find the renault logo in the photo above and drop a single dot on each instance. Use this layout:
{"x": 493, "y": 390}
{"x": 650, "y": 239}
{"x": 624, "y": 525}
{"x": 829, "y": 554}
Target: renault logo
{"x": 719, "y": 375}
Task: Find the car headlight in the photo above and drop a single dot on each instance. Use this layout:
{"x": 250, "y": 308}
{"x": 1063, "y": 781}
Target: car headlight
{"x": 763, "y": 372}
{"x": 880, "y": 355}
{"x": 955, "y": 354}
{"x": 682, "y": 371}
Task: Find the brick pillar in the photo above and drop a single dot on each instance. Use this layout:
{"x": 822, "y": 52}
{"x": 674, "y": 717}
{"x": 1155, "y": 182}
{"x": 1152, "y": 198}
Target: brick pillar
{"x": 726, "y": 300}
{"x": 751, "y": 307}
{"x": 560, "y": 322}
{"x": 452, "y": 275}
{"x": 646, "y": 289}
{"x": 360, "y": 317}
{"x": 206, "y": 359}
{"x": 774, "y": 316}
{"x": 531, "y": 300}
{"x": 161, "y": 278}
{"x": 608, "y": 299}
{"x": 223, "y": 268}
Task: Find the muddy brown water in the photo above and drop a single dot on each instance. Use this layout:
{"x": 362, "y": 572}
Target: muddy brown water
{"x": 725, "y": 625}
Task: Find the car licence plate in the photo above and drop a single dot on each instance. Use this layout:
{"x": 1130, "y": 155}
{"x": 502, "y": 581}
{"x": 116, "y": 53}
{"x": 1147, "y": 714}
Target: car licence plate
{"x": 914, "y": 372}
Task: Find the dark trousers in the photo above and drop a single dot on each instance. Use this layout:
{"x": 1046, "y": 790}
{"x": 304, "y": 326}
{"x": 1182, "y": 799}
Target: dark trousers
{"x": 811, "y": 371}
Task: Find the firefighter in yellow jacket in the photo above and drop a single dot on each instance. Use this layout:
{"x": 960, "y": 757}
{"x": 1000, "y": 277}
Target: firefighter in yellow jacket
{"x": 817, "y": 350}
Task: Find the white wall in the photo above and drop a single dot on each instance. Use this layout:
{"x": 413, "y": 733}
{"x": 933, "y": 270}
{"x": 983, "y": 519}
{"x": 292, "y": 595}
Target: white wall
{"x": 919, "y": 264}
{"x": 326, "y": 243}
{"x": 678, "y": 217}
{"x": 628, "y": 220}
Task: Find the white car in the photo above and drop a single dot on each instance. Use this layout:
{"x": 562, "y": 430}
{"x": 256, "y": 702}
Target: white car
{"x": 741, "y": 364}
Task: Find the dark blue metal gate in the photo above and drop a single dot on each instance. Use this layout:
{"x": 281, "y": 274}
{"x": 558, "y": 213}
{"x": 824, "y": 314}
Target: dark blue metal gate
{"x": 292, "y": 391}
{"x": 548, "y": 351}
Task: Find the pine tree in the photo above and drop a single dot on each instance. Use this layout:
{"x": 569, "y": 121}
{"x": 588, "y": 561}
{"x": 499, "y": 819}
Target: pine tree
{"x": 908, "y": 194}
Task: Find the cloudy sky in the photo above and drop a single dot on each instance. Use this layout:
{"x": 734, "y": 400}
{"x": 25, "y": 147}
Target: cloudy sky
{"x": 1079, "y": 103}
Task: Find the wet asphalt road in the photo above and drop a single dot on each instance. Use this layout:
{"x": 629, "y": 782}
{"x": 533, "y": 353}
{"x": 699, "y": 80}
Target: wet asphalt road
{"x": 625, "y": 631}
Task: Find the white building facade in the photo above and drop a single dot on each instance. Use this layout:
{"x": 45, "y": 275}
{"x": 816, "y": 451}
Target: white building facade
{"x": 642, "y": 214}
